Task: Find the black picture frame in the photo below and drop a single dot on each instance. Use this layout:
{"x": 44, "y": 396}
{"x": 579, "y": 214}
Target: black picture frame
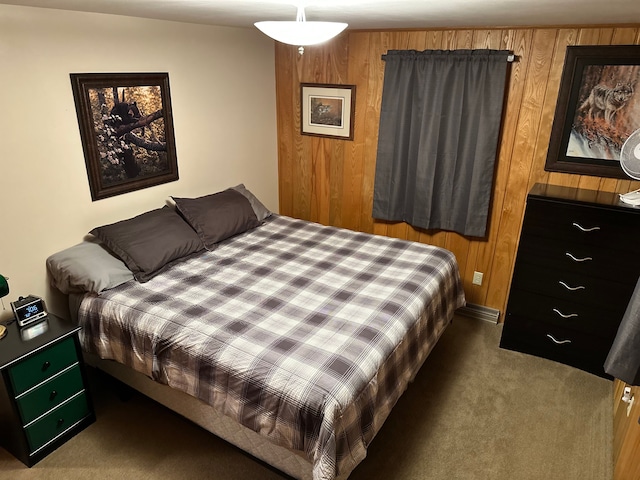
{"x": 126, "y": 129}
{"x": 327, "y": 110}
{"x": 598, "y": 108}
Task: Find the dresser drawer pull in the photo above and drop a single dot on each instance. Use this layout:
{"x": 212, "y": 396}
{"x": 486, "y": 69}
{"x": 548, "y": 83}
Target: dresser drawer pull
{"x": 46, "y": 365}
{"x": 60, "y": 422}
{"x": 563, "y": 315}
{"x": 575, "y": 259}
{"x": 573, "y": 289}
{"x": 592, "y": 229}
{"x": 53, "y": 395}
{"x": 557, "y": 342}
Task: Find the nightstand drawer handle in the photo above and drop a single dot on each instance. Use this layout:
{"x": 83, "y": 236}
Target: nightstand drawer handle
{"x": 592, "y": 229}
{"x": 53, "y": 395}
{"x": 60, "y": 422}
{"x": 46, "y": 365}
{"x": 575, "y": 259}
{"x": 557, "y": 342}
{"x": 573, "y": 289}
{"x": 563, "y": 315}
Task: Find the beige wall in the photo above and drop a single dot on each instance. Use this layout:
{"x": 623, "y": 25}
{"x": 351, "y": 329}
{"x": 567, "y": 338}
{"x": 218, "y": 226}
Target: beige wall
{"x": 222, "y": 83}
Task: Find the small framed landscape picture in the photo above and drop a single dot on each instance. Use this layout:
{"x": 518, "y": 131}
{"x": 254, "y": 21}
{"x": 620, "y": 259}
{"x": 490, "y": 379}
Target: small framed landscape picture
{"x": 327, "y": 110}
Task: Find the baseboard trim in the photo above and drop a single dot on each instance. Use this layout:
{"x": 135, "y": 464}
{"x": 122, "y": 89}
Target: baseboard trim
{"x": 480, "y": 312}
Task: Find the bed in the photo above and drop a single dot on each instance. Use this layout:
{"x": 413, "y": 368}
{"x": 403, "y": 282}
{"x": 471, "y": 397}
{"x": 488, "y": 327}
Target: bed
{"x": 289, "y": 339}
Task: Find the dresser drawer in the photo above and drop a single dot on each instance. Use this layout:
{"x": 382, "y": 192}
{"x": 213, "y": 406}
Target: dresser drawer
{"x": 588, "y": 260}
{"x": 555, "y": 343}
{"x": 57, "y": 421}
{"x": 570, "y": 315}
{"x": 43, "y": 365}
{"x": 50, "y": 394}
{"x": 572, "y": 286}
{"x": 575, "y": 224}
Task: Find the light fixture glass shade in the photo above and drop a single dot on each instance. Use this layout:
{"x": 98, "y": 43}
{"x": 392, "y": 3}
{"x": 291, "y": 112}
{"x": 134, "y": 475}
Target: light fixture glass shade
{"x": 301, "y": 33}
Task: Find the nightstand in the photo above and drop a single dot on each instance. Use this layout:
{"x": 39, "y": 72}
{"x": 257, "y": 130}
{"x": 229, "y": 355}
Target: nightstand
{"x": 44, "y": 399}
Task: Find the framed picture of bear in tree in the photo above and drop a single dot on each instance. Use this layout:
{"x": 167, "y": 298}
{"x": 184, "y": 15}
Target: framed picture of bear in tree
{"x": 327, "y": 110}
{"x": 126, "y": 128}
{"x": 598, "y": 108}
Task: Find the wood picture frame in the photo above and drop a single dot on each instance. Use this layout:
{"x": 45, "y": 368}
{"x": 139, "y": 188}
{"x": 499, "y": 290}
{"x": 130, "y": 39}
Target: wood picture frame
{"x": 327, "y": 110}
{"x": 598, "y": 108}
{"x": 126, "y": 128}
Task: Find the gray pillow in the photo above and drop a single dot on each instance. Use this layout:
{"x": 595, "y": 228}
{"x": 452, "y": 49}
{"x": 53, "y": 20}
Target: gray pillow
{"x": 150, "y": 242}
{"x": 86, "y": 267}
{"x": 259, "y": 209}
{"x": 218, "y": 216}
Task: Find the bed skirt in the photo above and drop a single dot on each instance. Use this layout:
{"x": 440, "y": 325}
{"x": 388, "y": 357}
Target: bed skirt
{"x": 291, "y": 462}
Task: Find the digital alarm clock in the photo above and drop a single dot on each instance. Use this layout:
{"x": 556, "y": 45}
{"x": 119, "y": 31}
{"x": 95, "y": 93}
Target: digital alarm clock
{"x": 28, "y": 310}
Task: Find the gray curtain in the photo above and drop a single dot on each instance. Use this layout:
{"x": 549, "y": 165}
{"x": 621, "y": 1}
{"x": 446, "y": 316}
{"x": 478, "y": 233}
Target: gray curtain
{"x": 623, "y": 361}
{"x": 439, "y": 126}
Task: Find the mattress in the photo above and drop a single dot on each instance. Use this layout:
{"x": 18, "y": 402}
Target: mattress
{"x": 302, "y": 333}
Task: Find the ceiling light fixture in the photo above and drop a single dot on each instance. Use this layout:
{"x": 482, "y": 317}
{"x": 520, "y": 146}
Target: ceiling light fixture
{"x": 301, "y": 32}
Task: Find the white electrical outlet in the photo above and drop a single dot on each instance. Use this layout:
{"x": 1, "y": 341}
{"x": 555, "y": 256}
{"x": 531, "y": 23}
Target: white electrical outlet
{"x": 477, "y": 278}
{"x": 628, "y": 398}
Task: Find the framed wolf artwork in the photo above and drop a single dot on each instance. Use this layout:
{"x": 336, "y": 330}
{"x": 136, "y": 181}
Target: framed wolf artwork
{"x": 598, "y": 108}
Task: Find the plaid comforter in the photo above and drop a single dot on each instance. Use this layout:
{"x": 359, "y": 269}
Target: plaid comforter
{"x": 304, "y": 333}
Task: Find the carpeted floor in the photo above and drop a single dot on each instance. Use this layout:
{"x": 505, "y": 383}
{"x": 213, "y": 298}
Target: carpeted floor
{"x": 474, "y": 412}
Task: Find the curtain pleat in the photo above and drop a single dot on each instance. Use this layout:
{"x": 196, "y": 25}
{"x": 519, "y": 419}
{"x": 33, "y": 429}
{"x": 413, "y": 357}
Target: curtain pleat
{"x": 439, "y": 127}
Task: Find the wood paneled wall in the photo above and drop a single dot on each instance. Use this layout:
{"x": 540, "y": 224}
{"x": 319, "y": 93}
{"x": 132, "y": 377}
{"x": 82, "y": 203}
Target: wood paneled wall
{"x": 331, "y": 181}
{"x": 626, "y": 434}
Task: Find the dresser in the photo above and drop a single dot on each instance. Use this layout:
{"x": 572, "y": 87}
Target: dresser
{"x": 577, "y": 265}
{"x": 44, "y": 399}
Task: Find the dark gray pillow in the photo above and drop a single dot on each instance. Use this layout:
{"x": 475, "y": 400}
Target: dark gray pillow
{"x": 86, "y": 267}
{"x": 259, "y": 209}
{"x": 218, "y": 216}
{"x": 150, "y": 242}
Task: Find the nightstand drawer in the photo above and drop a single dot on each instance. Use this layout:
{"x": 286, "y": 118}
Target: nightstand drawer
{"x": 43, "y": 365}
{"x": 57, "y": 421}
{"x": 50, "y": 394}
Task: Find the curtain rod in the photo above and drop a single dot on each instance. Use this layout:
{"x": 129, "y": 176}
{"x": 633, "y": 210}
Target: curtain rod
{"x": 510, "y": 58}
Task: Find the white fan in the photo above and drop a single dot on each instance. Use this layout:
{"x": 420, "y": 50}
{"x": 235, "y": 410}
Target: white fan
{"x": 630, "y": 163}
